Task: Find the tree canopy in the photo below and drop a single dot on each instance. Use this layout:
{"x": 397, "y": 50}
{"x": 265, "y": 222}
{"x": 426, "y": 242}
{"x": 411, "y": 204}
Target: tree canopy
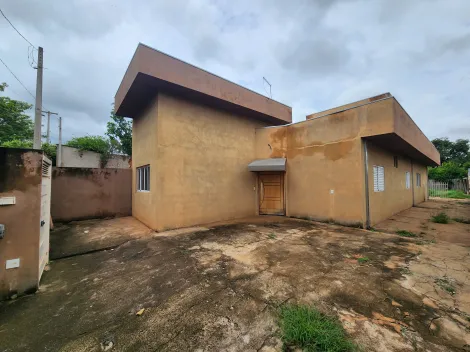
{"x": 455, "y": 159}
{"x": 14, "y": 123}
{"x": 119, "y": 131}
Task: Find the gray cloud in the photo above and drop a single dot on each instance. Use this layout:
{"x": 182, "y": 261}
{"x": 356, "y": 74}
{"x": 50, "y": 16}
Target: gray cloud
{"x": 316, "y": 54}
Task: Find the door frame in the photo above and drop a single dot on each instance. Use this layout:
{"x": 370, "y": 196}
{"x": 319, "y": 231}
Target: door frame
{"x": 283, "y": 175}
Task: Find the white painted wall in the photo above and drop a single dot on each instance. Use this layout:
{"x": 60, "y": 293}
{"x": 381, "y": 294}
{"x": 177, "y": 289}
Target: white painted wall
{"x": 72, "y": 157}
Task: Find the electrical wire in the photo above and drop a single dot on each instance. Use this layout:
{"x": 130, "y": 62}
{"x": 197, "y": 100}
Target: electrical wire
{"x": 17, "y": 78}
{"x": 17, "y": 31}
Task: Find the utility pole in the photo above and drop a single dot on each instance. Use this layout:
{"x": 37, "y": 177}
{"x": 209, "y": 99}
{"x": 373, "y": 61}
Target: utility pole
{"x": 48, "y": 135}
{"x": 59, "y": 148}
{"x": 38, "y": 107}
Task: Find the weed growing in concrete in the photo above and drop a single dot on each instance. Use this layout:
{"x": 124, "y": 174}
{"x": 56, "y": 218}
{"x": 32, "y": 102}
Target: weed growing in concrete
{"x": 307, "y": 328}
{"x": 362, "y": 260}
{"x": 441, "y": 218}
{"x": 445, "y": 284}
{"x": 272, "y": 236}
{"x": 405, "y": 233}
{"x": 405, "y": 271}
{"x": 463, "y": 221}
{"x": 372, "y": 229}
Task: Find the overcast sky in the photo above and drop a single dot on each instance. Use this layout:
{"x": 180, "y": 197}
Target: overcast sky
{"x": 316, "y": 54}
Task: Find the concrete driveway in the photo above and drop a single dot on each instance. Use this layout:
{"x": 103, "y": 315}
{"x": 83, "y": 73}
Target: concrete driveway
{"x": 218, "y": 288}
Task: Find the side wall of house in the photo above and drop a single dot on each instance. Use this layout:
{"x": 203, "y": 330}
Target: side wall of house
{"x": 20, "y": 177}
{"x": 203, "y": 154}
{"x": 395, "y": 197}
{"x": 144, "y": 152}
{"x": 324, "y": 177}
{"x": 420, "y": 192}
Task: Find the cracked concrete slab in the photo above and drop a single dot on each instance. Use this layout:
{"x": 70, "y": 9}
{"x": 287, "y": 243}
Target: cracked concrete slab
{"x": 218, "y": 288}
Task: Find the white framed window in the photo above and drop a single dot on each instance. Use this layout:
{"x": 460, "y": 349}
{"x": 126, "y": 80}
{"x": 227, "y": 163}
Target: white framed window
{"x": 418, "y": 180}
{"x": 379, "y": 179}
{"x": 407, "y": 180}
{"x": 143, "y": 178}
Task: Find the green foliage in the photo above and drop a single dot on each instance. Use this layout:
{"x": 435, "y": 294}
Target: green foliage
{"x": 16, "y": 143}
{"x": 405, "y": 233}
{"x": 307, "y": 328}
{"x": 49, "y": 149}
{"x": 455, "y": 159}
{"x": 447, "y": 171}
{"x": 441, "y": 218}
{"x": 97, "y": 144}
{"x": 456, "y": 194}
{"x": 14, "y": 123}
{"x": 119, "y": 131}
{"x": 446, "y": 284}
{"x": 363, "y": 260}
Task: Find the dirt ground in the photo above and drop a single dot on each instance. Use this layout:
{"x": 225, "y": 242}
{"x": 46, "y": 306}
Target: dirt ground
{"x": 218, "y": 287}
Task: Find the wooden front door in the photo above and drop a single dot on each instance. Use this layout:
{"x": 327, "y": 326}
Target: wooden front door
{"x": 271, "y": 193}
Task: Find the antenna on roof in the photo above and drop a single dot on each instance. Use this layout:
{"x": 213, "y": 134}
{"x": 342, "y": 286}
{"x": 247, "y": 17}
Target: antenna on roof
{"x": 270, "y": 94}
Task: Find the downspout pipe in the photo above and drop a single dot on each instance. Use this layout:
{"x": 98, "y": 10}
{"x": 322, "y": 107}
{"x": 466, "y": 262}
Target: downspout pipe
{"x": 366, "y": 181}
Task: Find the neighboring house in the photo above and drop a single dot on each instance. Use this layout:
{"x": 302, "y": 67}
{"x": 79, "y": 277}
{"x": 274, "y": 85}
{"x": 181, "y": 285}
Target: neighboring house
{"x": 206, "y": 149}
{"x": 73, "y": 157}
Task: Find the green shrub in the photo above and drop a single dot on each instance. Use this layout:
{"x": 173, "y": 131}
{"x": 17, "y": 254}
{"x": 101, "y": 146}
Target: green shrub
{"x": 363, "y": 260}
{"x": 97, "y": 144}
{"x": 307, "y": 328}
{"x": 440, "y": 218}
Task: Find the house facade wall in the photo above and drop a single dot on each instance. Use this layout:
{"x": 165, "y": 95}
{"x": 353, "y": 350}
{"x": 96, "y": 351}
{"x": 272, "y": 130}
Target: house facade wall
{"x": 396, "y": 197}
{"x": 84, "y": 193}
{"x": 20, "y": 177}
{"x": 144, "y": 152}
{"x": 420, "y": 193}
{"x": 198, "y": 157}
{"x": 324, "y": 177}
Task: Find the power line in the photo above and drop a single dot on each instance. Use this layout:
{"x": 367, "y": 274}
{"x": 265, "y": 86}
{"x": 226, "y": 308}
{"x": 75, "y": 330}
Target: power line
{"x": 17, "y": 31}
{"x": 17, "y": 78}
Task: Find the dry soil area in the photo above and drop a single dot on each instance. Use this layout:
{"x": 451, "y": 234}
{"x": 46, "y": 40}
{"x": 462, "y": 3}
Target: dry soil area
{"x": 218, "y": 288}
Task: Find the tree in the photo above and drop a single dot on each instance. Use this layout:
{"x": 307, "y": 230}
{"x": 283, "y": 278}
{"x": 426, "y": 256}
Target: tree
{"x": 14, "y": 123}
{"x": 458, "y": 151}
{"x": 119, "y": 131}
{"x": 447, "y": 172}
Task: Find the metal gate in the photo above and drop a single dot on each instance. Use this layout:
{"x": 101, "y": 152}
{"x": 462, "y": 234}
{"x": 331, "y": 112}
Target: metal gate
{"x": 45, "y": 215}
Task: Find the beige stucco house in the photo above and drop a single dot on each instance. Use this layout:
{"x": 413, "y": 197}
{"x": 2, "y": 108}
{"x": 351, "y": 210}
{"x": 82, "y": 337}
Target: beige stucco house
{"x": 206, "y": 149}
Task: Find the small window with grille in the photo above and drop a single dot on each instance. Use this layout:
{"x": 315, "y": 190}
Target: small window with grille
{"x": 407, "y": 180}
{"x": 395, "y": 161}
{"x": 143, "y": 178}
{"x": 379, "y": 179}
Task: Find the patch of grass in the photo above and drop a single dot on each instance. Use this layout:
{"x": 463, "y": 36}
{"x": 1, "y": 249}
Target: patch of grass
{"x": 372, "y": 229}
{"x": 462, "y": 220}
{"x": 272, "y": 236}
{"x": 441, "y": 218}
{"x": 445, "y": 284}
{"x": 307, "y": 328}
{"x": 362, "y": 260}
{"x": 449, "y": 194}
{"x": 405, "y": 233}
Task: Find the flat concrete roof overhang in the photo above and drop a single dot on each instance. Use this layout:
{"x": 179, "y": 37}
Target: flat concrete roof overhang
{"x": 397, "y": 145}
{"x": 151, "y": 71}
{"x": 386, "y": 124}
